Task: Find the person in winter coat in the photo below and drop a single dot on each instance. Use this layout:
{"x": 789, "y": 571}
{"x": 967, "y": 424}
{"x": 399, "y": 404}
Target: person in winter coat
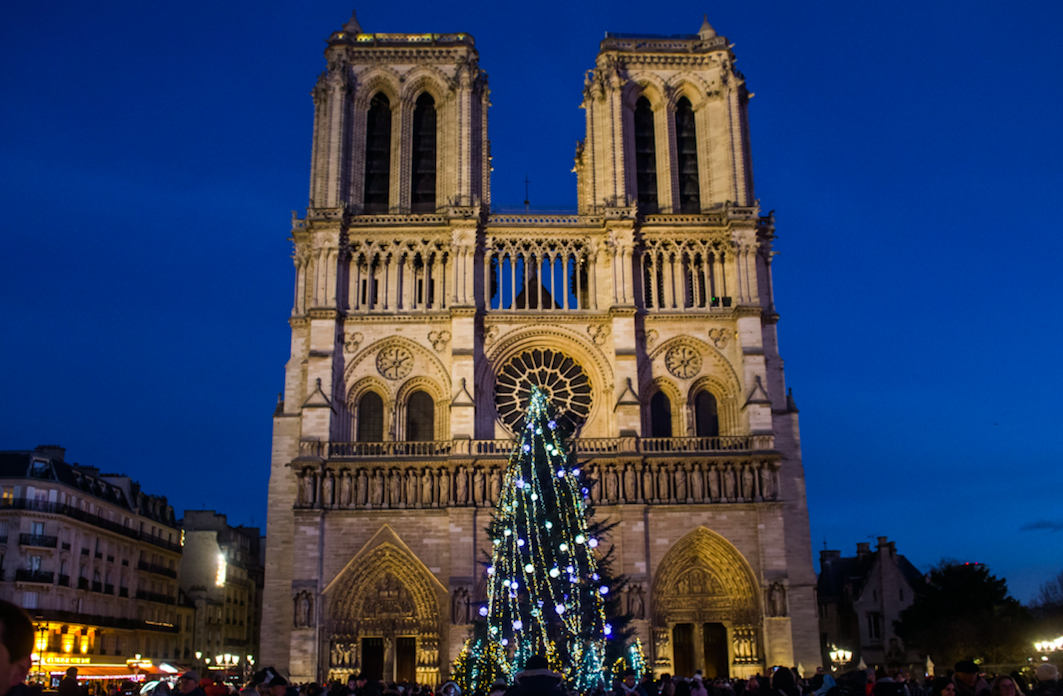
{"x": 69, "y": 684}
{"x": 1047, "y": 681}
{"x": 967, "y": 680}
{"x": 536, "y": 679}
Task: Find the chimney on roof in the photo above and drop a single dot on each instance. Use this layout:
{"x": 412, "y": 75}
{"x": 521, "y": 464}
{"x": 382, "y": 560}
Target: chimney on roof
{"x": 54, "y": 451}
{"x": 863, "y": 548}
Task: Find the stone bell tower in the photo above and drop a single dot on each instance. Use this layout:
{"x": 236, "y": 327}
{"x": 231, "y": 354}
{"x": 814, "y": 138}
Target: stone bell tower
{"x": 667, "y": 126}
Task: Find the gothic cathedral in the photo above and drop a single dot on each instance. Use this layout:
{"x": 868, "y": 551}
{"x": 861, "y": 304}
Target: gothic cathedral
{"x": 421, "y": 318}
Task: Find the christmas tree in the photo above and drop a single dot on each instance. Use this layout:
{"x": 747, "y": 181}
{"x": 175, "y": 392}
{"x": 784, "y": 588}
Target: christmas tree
{"x": 549, "y": 592}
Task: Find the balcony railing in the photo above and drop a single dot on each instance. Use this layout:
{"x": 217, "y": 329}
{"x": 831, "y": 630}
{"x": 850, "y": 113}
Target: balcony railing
{"x": 23, "y": 575}
{"x": 599, "y": 446}
{"x": 155, "y": 597}
{"x": 89, "y": 518}
{"x": 71, "y": 617}
{"x": 97, "y": 587}
{"x": 49, "y": 542}
{"x": 108, "y": 589}
{"x": 64, "y": 581}
{"x": 83, "y": 583}
{"x": 123, "y": 591}
{"x": 157, "y": 569}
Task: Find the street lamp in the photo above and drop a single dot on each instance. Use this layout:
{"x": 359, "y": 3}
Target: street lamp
{"x": 842, "y": 657}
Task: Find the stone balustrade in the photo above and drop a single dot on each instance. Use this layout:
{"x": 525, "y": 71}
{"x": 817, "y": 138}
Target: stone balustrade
{"x": 338, "y": 484}
{"x": 585, "y": 447}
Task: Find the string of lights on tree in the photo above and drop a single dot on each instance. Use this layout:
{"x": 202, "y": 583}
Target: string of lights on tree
{"x": 545, "y": 594}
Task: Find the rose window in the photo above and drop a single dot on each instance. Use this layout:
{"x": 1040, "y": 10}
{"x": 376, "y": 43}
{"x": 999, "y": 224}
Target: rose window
{"x": 559, "y": 376}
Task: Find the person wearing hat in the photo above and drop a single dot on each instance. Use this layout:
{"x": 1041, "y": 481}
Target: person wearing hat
{"x": 188, "y": 684}
{"x": 69, "y": 684}
{"x": 630, "y": 686}
{"x": 536, "y": 679}
{"x": 967, "y": 680}
{"x": 1047, "y": 681}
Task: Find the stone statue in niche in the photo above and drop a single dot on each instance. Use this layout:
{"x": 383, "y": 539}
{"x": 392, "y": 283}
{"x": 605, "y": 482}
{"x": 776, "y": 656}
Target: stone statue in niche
{"x": 459, "y": 606}
{"x": 345, "y": 489}
{"x": 304, "y": 610}
{"x": 378, "y": 488}
{"x": 747, "y": 483}
{"x": 714, "y": 484}
{"x": 613, "y": 485}
{"x": 777, "y": 599}
{"x": 630, "y": 484}
{"x": 426, "y": 488}
{"x": 330, "y": 488}
{"x": 728, "y": 484}
{"x": 496, "y": 484}
{"x": 411, "y": 487}
{"x": 767, "y": 486}
{"x": 310, "y": 484}
{"x": 647, "y": 484}
{"x": 444, "y": 488}
{"x": 478, "y": 481}
{"x": 662, "y": 483}
{"x": 362, "y": 493}
{"x": 680, "y": 483}
{"x": 396, "y": 488}
{"x": 461, "y": 486}
{"x": 697, "y": 487}
{"x": 636, "y": 605}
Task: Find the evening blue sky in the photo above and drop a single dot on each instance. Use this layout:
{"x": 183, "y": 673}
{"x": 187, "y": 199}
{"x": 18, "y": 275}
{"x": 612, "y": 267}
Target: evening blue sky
{"x": 151, "y": 155}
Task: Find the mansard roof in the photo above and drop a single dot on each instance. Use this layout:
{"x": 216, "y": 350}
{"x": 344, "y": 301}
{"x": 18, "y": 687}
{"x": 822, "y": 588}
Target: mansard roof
{"x": 836, "y": 573}
{"x": 35, "y": 464}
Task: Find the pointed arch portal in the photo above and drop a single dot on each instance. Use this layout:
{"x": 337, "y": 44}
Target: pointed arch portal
{"x": 706, "y": 609}
{"x": 383, "y": 616}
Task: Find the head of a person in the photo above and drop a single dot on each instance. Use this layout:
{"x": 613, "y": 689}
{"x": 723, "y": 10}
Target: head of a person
{"x": 278, "y": 686}
{"x": 537, "y": 662}
{"x": 1004, "y": 686}
{"x": 16, "y": 644}
{"x": 783, "y": 680}
{"x": 966, "y": 672}
{"x": 752, "y": 685}
{"x": 629, "y": 678}
{"x": 943, "y": 686}
{"x": 1047, "y": 672}
{"x": 188, "y": 682}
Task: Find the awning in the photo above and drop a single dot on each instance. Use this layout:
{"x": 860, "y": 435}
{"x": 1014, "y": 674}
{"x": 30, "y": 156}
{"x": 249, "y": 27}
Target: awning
{"x": 115, "y": 671}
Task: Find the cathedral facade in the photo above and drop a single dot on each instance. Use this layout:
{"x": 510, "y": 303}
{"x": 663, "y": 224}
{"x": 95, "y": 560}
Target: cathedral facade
{"x": 421, "y": 319}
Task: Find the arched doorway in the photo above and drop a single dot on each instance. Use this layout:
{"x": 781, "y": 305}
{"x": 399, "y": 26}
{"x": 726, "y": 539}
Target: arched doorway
{"x": 383, "y": 617}
{"x": 706, "y": 610}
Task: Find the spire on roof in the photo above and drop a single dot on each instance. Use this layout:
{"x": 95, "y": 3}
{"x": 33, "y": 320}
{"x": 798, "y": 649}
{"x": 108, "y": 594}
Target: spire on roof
{"x": 706, "y": 31}
{"x": 353, "y": 27}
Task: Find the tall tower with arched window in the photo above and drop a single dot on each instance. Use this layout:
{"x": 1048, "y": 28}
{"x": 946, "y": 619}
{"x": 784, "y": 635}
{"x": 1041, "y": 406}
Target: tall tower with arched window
{"x": 421, "y": 318}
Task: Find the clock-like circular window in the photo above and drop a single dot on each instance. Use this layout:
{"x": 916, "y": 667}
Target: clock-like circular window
{"x": 562, "y": 378}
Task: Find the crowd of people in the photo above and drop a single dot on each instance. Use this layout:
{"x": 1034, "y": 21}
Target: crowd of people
{"x": 537, "y": 679}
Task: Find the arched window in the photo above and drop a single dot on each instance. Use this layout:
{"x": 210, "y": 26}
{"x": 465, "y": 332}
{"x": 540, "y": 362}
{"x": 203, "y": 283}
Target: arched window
{"x": 420, "y": 417}
{"x": 423, "y": 188}
{"x": 645, "y": 157}
{"x": 371, "y": 418}
{"x": 686, "y": 143}
{"x": 706, "y": 415}
{"x": 377, "y": 155}
{"x": 660, "y": 415}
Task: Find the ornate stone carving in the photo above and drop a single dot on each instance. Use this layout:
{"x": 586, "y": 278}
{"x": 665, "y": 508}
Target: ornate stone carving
{"x": 394, "y": 362}
{"x": 351, "y": 341}
{"x": 439, "y": 340}
{"x": 599, "y": 333}
{"x": 776, "y": 600}
{"x": 683, "y": 361}
{"x": 719, "y": 337}
{"x": 303, "y": 604}
{"x": 651, "y": 337}
{"x": 490, "y": 334}
{"x": 561, "y": 377}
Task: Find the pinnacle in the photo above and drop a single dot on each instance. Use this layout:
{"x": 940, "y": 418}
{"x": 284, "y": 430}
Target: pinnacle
{"x": 352, "y": 26}
{"x": 706, "y": 31}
